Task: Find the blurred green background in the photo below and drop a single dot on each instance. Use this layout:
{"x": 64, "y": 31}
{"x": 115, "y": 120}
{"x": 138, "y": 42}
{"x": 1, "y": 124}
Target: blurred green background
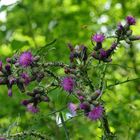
{"x": 30, "y": 24}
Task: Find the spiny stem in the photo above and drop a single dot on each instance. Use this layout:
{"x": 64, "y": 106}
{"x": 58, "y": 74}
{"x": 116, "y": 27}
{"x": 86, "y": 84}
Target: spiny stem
{"x": 108, "y": 135}
{"x": 118, "y": 83}
{"x": 52, "y": 74}
{"x": 32, "y": 133}
{"x": 56, "y": 64}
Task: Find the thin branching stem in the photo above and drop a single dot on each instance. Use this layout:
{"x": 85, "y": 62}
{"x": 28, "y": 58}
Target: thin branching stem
{"x": 64, "y": 125}
{"x": 123, "y": 82}
{"x": 25, "y": 134}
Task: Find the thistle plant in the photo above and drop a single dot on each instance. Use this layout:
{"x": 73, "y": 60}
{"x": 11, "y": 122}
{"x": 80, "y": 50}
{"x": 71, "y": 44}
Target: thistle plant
{"x": 24, "y": 68}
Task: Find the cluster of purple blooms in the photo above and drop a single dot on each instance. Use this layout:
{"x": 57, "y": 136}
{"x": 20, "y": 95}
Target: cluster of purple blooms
{"x": 22, "y": 78}
{"x": 25, "y": 68}
{"x": 94, "y": 110}
{"x": 122, "y": 33}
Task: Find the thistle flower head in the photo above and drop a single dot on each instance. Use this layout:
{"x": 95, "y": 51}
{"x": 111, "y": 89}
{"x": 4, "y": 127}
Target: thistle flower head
{"x": 25, "y": 102}
{"x": 12, "y": 80}
{"x": 32, "y": 108}
{"x": 120, "y": 27}
{"x": 81, "y": 98}
{"x": 84, "y": 106}
{"x": 26, "y": 59}
{"x": 72, "y": 107}
{"x": 8, "y": 67}
{"x": 26, "y": 78}
{"x": 10, "y": 92}
{"x": 130, "y": 20}
{"x": 99, "y": 38}
{"x": 96, "y": 113}
{"x": 8, "y": 60}
{"x": 103, "y": 53}
{"x": 68, "y": 84}
{"x": 0, "y": 65}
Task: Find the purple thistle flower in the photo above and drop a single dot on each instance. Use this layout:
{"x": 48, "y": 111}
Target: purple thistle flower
{"x": 8, "y": 67}
{"x": 26, "y": 59}
{"x": 111, "y": 49}
{"x": 70, "y": 47}
{"x": 96, "y": 113}
{"x": 130, "y": 20}
{"x": 0, "y": 65}
{"x": 84, "y": 106}
{"x": 9, "y": 92}
{"x": 78, "y": 92}
{"x": 12, "y": 80}
{"x": 103, "y": 53}
{"x": 8, "y": 60}
{"x": 26, "y": 78}
{"x": 99, "y": 38}
{"x": 81, "y": 98}
{"x": 25, "y": 102}
{"x": 120, "y": 27}
{"x": 113, "y": 46}
{"x": 72, "y": 56}
{"x": 72, "y": 107}
{"x": 68, "y": 84}
{"x": 32, "y": 108}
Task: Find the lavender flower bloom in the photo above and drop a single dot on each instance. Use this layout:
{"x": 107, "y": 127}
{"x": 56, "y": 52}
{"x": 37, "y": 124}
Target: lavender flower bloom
{"x": 32, "y": 108}
{"x": 99, "y": 38}
{"x": 68, "y": 84}
{"x": 26, "y": 59}
{"x": 26, "y": 78}
{"x": 72, "y": 107}
{"x": 130, "y": 20}
{"x": 0, "y": 65}
{"x": 96, "y": 113}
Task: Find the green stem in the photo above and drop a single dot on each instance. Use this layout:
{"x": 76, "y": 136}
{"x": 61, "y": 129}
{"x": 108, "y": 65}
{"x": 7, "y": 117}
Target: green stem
{"x": 118, "y": 83}
{"x": 35, "y": 134}
{"x": 108, "y": 135}
{"x": 64, "y": 125}
{"x": 56, "y": 64}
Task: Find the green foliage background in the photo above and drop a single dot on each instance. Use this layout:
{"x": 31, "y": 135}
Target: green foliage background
{"x": 31, "y": 24}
